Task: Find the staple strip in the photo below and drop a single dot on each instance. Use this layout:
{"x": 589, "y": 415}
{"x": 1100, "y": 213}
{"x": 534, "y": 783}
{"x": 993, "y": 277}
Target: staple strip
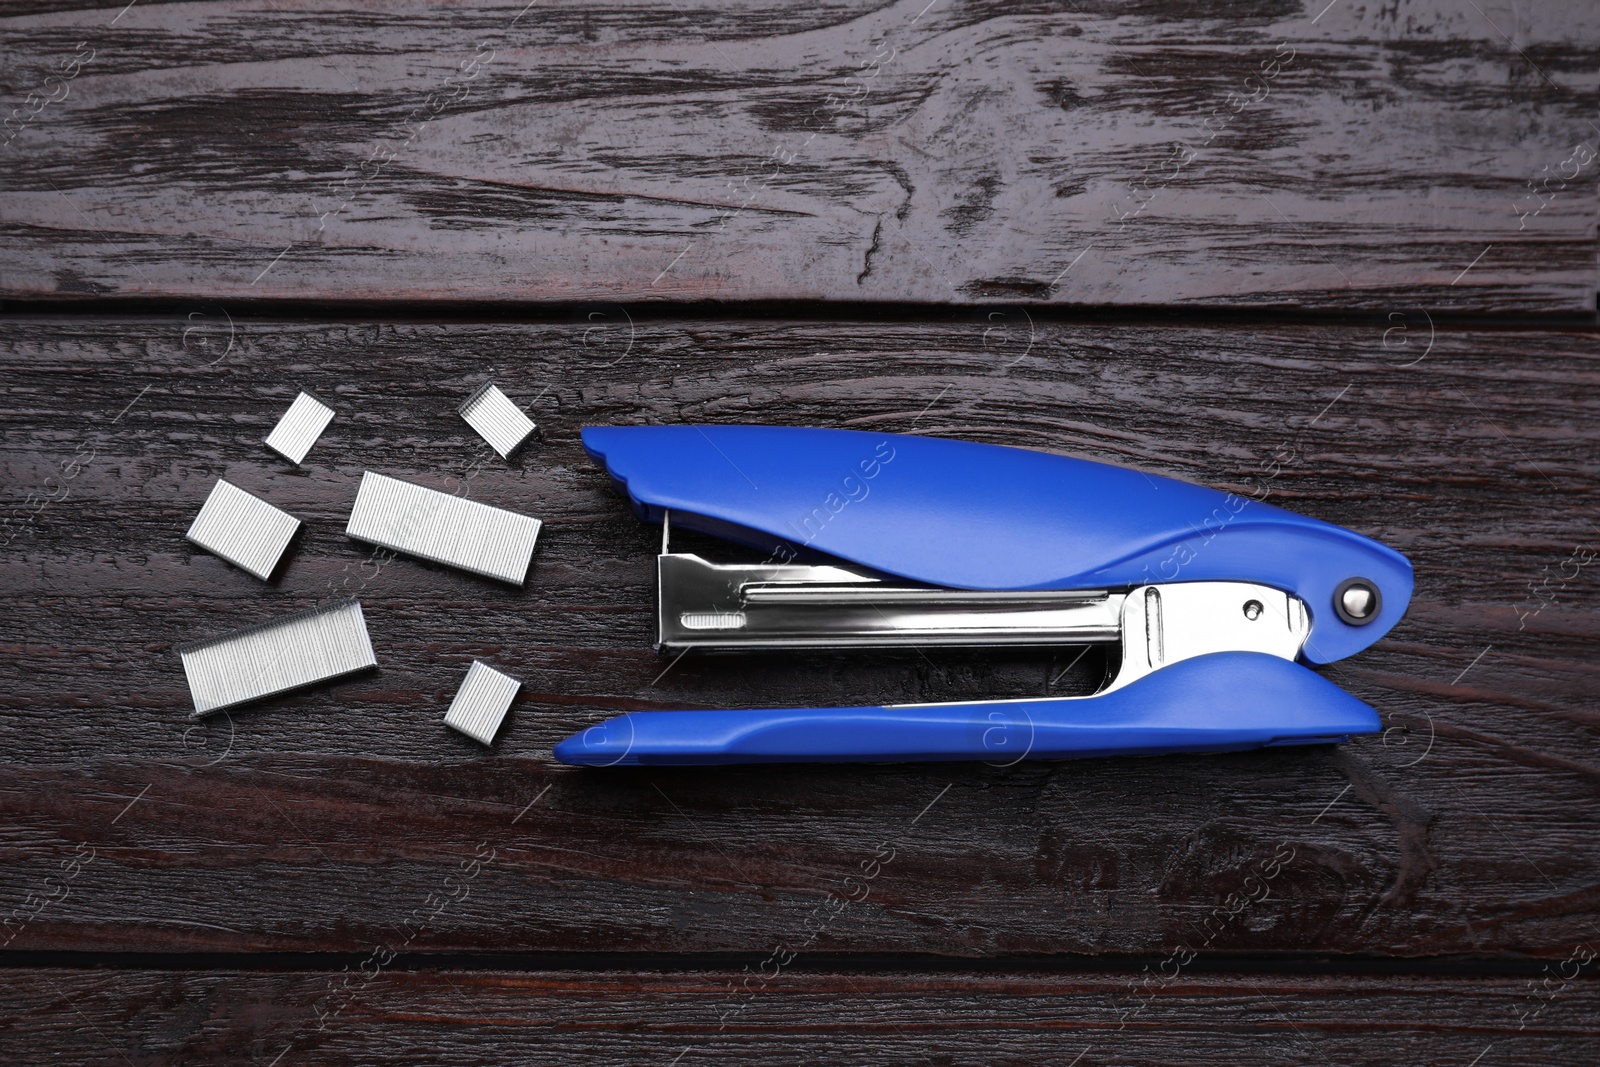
{"x": 481, "y": 703}
{"x": 277, "y": 656}
{"x": 497, "y": 420}
{"x": 299, "y": 428}
{"x": 243, "y": 529}
{"x": 443, "y": 528}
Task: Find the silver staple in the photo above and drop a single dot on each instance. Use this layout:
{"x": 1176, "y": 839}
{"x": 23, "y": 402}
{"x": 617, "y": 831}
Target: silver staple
{"x": 243, "y": 529}
{"x": 443, "y": 528}
{"x": 497, "y": 420}
{"x": 481, "y": 703}
{"x": 274, "y": 657}
{"x": 299, "y": 428}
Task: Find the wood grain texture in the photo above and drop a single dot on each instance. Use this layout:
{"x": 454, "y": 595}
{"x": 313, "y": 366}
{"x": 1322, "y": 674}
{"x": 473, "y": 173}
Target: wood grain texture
{"x": 345, "y": 817}
{"x": 1437, "y": 154}
{"x": 476, "y": 1018}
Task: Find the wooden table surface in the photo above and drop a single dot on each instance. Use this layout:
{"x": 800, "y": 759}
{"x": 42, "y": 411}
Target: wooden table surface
{"x": 1338, "y": 256}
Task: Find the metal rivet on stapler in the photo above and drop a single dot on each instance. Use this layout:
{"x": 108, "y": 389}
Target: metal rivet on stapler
{"x": 1216, "y": 602}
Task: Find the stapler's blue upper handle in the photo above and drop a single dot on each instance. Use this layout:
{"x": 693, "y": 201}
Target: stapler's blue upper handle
{"x": 1224, "y": 702}
{"x": 972, "y": 516}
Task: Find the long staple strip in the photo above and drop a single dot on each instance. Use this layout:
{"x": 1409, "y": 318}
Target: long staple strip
{"x": 497, "y": 420}
{"x": 481, "y": 703}
{"x": 299, "y": 428}
{"x": 443, "y": 528}
{"x": 243, "y": 529}
{"x": 274, "y": 657}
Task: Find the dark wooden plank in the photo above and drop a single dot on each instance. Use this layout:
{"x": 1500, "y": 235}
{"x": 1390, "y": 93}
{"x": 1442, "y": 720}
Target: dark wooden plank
{"x": 334, "y": 819}
{"x": 1351, "y": 155}
{"x": 795, "y": 1016}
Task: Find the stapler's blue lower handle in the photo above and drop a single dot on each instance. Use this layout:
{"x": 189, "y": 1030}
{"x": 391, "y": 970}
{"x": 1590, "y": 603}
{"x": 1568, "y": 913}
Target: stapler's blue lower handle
{"x": 1223, "y": 702}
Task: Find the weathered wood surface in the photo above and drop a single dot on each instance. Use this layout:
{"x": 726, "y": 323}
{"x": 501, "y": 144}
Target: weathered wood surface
{"x": 797, "y": 1017}
{"x": 1438, "y": 154}
{"x": 348, "y": 817}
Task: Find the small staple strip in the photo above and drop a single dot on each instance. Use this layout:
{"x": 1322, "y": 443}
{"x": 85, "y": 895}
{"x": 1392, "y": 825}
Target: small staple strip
{"x": 497, "y": 420}
{"x": 275, "y": 657}
{"x": 243, "y": 529}
{"x": 480, "y": 705}
{"x": 447, "y": 529}
{"x": 299, "y": 428}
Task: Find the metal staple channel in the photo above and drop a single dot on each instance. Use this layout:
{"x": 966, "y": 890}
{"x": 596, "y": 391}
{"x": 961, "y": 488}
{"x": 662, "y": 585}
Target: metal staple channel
{"x": 274, "y": 657}
{"x": 243, "y": 529}
{"x": 497, "y": 420}
{"x": 481, "y": 703}
{"x": 299, "y": 428}
{"x": 446, "y": 529}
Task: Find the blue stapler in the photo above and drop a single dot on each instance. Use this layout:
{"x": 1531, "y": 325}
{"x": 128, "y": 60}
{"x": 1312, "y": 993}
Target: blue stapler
{"x": 887, "y": 540}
